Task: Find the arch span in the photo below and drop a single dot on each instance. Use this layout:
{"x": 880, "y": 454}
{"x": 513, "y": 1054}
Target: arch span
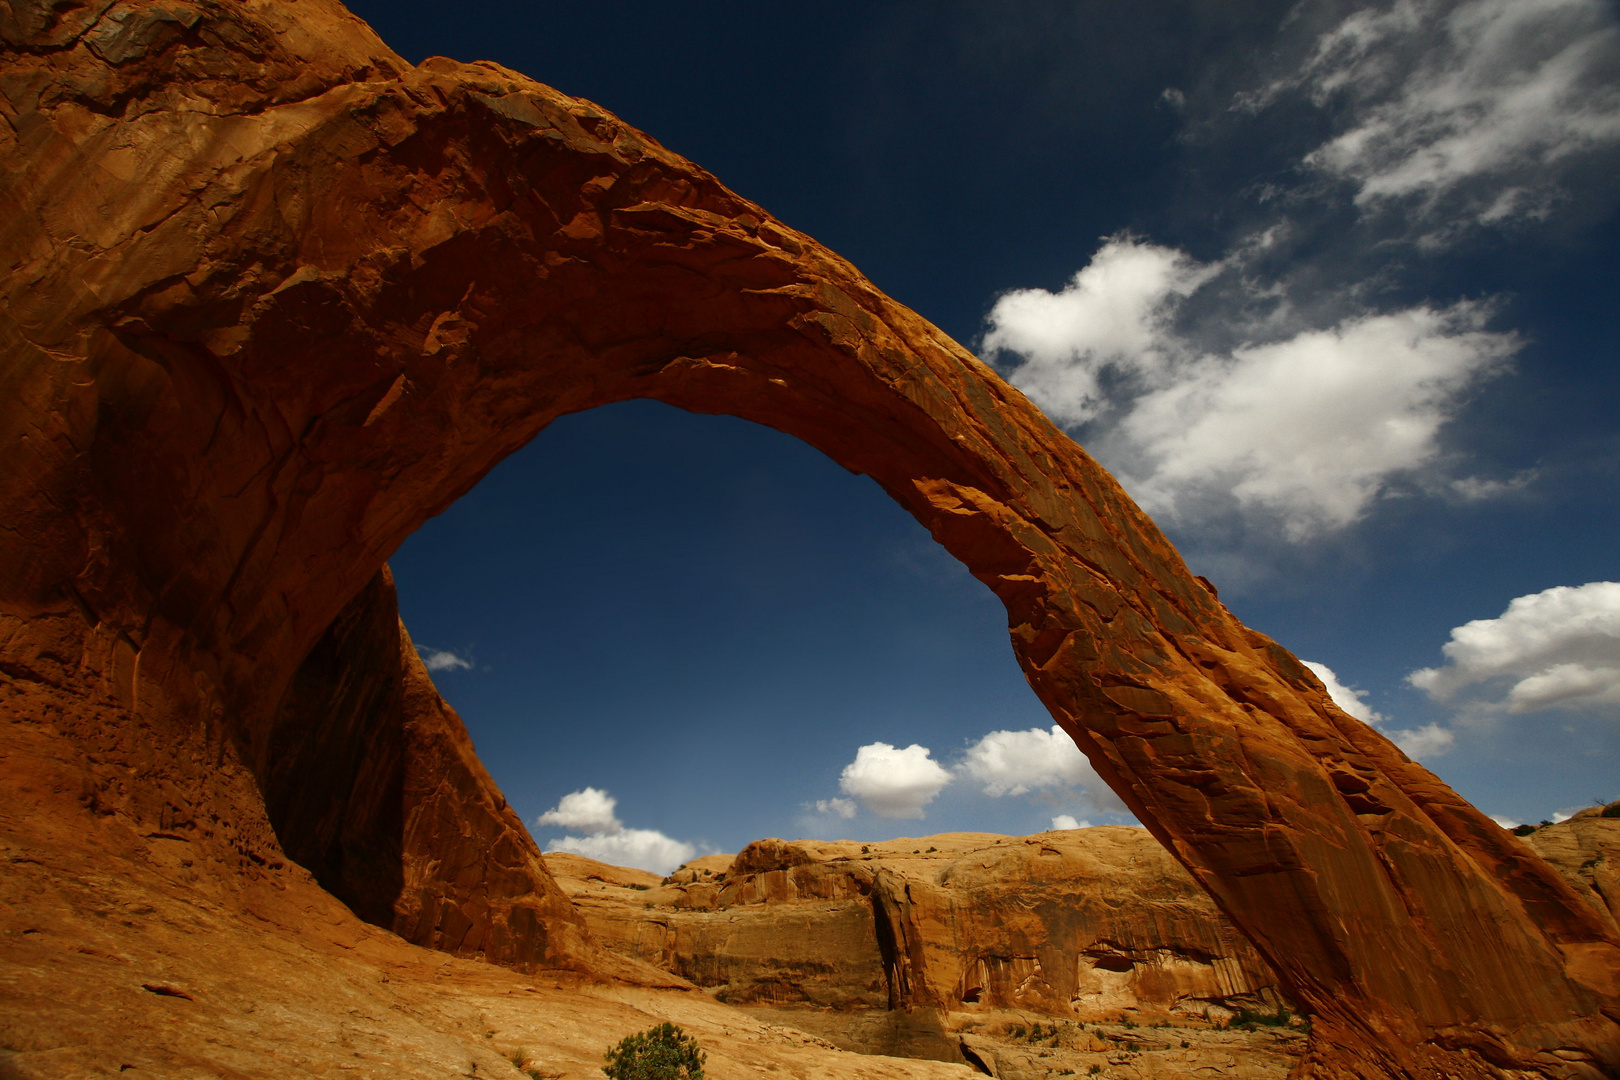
{"x": 272, "y": 297}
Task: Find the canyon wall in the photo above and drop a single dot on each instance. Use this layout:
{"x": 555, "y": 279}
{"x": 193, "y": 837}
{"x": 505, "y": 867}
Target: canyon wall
{"x": 270, "y": 297}
{"x": 1088, "y": 925}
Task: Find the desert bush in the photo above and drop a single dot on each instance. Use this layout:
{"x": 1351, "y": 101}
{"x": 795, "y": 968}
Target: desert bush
{"x": 661, "y": 1053}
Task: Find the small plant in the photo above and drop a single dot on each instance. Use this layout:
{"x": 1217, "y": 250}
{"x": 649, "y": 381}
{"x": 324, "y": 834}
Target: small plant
{"x": 661, "y": 1053}
{"x": 1524, "y": 830}
{"x": 1249, "y": 1019}
{"x": 933, "y": 849}
{"x": 1094, "y": 1070}
{"x": 1612, "y": 810}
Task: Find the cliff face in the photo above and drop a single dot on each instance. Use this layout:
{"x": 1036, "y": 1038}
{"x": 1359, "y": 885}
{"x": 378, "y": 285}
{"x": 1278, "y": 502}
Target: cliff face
{"x": 371, "y": 784}
{"x": 270, "y": 297}
{"x": 1090, "y": 925}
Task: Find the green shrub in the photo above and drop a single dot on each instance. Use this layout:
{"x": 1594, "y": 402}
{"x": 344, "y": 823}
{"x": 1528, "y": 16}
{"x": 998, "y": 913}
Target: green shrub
{"x": 661, "y": 1053}
{"x": 1248, "y": 1019}
{"x": 1524, "y": 830}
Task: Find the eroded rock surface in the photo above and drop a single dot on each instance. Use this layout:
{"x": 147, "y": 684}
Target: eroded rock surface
{"x": 1586, "y": 850}
{"x": 270, "y": 297}
{"x": 1091, "y": 925}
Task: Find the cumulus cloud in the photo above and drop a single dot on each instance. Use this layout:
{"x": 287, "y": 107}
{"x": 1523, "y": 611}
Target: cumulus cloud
{"x": 1351, "y": 701}
{"x": 592, "y": 811}
{"x": 1067, "y": 821}
{"x": 1477, "y": 105}
{"x": 891, "y": 782}
{"x": 1309, "y": 428}
{"x": 1014, "y": 762}
{"x": 844, "y": 808}
{"x": 444, "y": 660}
{"x": 1428, "y": 741}
{"x": 1559, "y": 648}
{"x": 1114, "y": 313}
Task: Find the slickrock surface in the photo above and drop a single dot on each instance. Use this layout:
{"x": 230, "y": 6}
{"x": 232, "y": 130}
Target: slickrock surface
{"x": 1090, "y": 925}
{"x": 270, "y": 297}
{"x": 1586, "y": 850}
{"x": 135, "y": 964}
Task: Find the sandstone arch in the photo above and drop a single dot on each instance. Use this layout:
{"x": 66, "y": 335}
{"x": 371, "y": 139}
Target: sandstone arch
{"x": 272, "y": 297}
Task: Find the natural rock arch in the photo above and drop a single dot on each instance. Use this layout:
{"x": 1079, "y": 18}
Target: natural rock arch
{"x": 272, "y": 297}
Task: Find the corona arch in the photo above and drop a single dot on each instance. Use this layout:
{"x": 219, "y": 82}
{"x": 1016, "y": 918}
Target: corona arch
{"x": 273, "y": 297}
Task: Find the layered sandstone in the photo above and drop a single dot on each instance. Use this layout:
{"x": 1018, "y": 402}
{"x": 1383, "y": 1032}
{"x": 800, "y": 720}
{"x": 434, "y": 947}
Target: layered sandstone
{"x": 270, "y": 297}
{"x": 1089, "y": 925}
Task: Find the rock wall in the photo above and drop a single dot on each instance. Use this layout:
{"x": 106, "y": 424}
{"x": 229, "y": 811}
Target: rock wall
{"x": 270, "y": 297}
{"x": 371, "y": 784}
{"x": 1586, "y": 850}
{"x": 1089, "y": 925}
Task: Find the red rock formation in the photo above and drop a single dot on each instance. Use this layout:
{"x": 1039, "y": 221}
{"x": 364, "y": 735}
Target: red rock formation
{"x": 371, "y": 784}
{"x": 270, "y": 297}
{"x": 1089, "y": 925}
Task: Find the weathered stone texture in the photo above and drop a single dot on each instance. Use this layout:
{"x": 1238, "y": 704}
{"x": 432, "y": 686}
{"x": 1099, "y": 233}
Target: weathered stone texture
{"x": 1089, "y": 925}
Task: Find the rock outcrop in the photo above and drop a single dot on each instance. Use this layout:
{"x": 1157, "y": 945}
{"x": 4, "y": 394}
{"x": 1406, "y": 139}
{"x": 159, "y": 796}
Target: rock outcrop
{"x": 1089, "y": 925}
{"x": 270, "y": 297}
{"x": 1586, "y": 850}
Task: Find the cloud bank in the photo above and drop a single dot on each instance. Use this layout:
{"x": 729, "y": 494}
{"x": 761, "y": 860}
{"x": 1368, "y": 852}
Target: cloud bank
{"x": 592, "y": 812}
{"x": 1308, "y": 427}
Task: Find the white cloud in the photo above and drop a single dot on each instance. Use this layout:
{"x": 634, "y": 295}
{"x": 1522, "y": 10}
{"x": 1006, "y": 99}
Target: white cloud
{"x": 1505, "y": 822}
{"x": 592, "y": 811}
{"x": 1487, "y": 99}
{"x": 1343, "y": 696}
{"x": 644, "y": 849}
{"x": 844, "y": 808}
{"x": 1067, "y": 821}
{"x": 444, "y": 660}
{"x": 1314, "y": 427}
{"x": 1307, "y": 429}
{"x": 1114, "y": 313}
{"x": 1014, "y": 762}
{"x": 1559, "y": 648}
{"x": 891, "y": 782}
{"x": 1428, "y": 741}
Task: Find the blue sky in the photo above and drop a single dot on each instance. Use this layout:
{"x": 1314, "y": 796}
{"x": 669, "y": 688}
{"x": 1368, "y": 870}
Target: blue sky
{"x": 1334, "y": 288}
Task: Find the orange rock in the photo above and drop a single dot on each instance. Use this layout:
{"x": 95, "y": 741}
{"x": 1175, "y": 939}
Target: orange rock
{"x": 1089, "y": 925}
{"x": 270, "y": 297}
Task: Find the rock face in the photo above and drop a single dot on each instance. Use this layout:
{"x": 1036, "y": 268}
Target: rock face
{"x": 1090, "y": 925}
{"x": 1586, "y": 850}
{"x": 371, "y": 784}
{"x": 270, "y": 297}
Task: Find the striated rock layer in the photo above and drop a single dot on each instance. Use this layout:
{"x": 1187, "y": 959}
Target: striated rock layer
{"x": 270, "y": 297}
{"x": 1089, "y": 925}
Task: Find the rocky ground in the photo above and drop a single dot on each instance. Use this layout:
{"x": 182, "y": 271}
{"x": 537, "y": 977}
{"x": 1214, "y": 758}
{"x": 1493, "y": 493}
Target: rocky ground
{"x": 1084, "y": 952}
{"x": 124, "y": 967}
